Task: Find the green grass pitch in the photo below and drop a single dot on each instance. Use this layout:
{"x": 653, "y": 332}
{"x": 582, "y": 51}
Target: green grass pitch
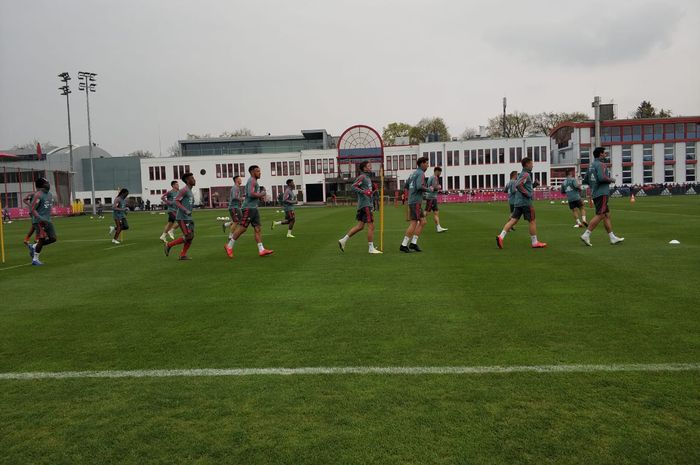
{"x": 462, "y": 302}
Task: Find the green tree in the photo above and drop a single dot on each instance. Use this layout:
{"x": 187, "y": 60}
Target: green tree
{"x": 517, "y": 125}
{"x": 425, "y": 126}
{"x": 394, "y": 130}
{"x": 546, "y": 121}
{"x": 646, "y": 110}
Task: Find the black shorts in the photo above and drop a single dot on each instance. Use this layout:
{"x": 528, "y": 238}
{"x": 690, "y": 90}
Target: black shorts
{"x": 601, "y": 205}
{"x": 45, "y": 230}
{"x": 512, "y": 207}
{"x": 576, "y": 204}
{"x": 365, "y": 215}
{"x": 431, "y": 205}
{"x": 122, "y": 223}
{"x": 171, "y": 217}
{"x": 250, "y": 216}
{"x": 235, "y": 214}
{"x": 416, "y": 212}
{"x": 289, "y": 215}
{"x": 527, "y": 212}
{"x": 186, "y": 226}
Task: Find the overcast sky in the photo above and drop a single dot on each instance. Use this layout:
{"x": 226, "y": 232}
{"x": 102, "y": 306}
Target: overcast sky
{"x": 166, "y": 68}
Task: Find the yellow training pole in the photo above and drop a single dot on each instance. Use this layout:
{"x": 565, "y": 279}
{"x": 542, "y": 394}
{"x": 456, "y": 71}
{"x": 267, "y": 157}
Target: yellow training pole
{"x": 381, "y": 208}
{"x": 2, "y": 235}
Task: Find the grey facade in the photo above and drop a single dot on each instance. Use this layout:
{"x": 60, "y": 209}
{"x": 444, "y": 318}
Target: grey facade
{"x": 112, "y": 174}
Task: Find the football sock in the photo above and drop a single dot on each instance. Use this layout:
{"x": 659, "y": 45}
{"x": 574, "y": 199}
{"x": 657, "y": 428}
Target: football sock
{"x": 534, "y": 239}
{"x": 345, "y": 239}
{"x": 260, "y": 247}
{"x": 611, "y": 235}
{"x": 177, "y": 241}
{"x": 36, "y": 256}
{"x": 584, "y": 218}
{"x": 414, "y": 239}
{"x": 503, "y": 234}
{"x": 277, "y": 223}
{"x": 185, "y": 249}
{"x": 371, "y": 246}
{"x": 227, "y": 224}
{"x": 404, "y": 243}
{"x": 231, "y": 241}
{"x": 587, "y": 233}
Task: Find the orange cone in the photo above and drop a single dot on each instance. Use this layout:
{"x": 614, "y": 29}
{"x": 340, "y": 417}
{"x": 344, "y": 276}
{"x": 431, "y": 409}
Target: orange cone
{"x": 632, "y": 199}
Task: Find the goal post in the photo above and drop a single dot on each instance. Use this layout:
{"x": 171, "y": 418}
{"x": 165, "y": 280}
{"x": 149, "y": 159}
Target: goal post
{"x": 361, "y": 143}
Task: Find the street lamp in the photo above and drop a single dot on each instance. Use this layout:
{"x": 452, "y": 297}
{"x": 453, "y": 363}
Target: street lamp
{"x": 65, "y": 90}
{"x": 87, "y": 83}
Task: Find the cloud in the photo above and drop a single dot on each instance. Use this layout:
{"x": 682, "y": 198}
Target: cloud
{"x": 599, "y": 35}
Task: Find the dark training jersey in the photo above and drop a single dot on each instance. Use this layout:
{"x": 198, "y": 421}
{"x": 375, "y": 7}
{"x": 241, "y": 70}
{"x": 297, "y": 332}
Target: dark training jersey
{"x": 119, "y": 214}
{"x": 572, "y": 189}
{"x": 289, "y": 199}
{"x": 416, "y": 187}
{"x": 41, "y": 204}
{"x": 599, "y": 179}
{"x": 251, "y": 187}
{"x": 523, "y": 186}
{"x": 362, "y": 185}
{"x": 185, "y": 204}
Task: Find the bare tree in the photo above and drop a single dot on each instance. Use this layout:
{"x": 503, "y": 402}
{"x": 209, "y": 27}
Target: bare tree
{"x": 516, "y": 125}
{"x": 469, "y": 133}
{"x": 240, "y": 132}
{"x": 174, "y": 150}
{"x": 544, "y": 122}
{"x": 141, "y": 154}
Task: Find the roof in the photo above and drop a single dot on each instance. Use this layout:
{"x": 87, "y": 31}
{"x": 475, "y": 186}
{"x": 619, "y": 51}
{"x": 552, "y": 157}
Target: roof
{"x": 627, "y": 122}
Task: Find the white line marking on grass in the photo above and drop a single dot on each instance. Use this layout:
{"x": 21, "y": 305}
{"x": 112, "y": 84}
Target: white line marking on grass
{"x": 359, "y": 370}
{"x": 13, "y": 267}
{"x": 119, "y": 246}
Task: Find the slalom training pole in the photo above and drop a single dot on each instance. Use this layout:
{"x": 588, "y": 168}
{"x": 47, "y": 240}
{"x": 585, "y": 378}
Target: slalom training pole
{"x": 381, "y": 208}
{"x": 2, "y": 236}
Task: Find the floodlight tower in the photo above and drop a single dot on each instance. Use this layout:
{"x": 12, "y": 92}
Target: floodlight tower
{"x": 65, "y": 90}
{"x": 87, "y": 83}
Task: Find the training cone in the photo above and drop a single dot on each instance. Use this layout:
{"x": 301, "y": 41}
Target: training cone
{"x": 632, "y": 199}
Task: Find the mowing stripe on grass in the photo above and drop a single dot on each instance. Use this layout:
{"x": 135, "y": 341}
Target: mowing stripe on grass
{"x": 359, "y": 370}
{"x": 120, "y": 246}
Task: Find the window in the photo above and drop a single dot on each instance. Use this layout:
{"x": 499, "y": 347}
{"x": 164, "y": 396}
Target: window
{"x": 648, "y": 153}
{"x": 636, "y": 133}
{"x": 285, "y": 168}
{"x": 502, "y": 180}
{"x": 273, "y": 169}
{"x": 481, "y": 181}
{"x": 331, "y": 166}
{"x": 626, "y": 175}
{"x": 456, "y": 162}
{"x": 536, "y": 176}
{"x": 467, "y": 185}
{"x": 179, "y": 170}
{"x": 325, "y": 166}
{"x": 648, "y": 174}
{"x": 9, "y": 200}
{"x": 501, "y": 155}
{"x": 319, "y": 165}
{"x": 466, "y": 157}
{"x": 388, "y": 164}
{"x": 218, "y": 170}
{"x": 543, "y": 153}
{"x": 615, "y": 134}
{"x": 626, "y": 153}
{"x": 648, "y": 132}
{"x": 658, "y": 131}
{"x": 627, "y": 134}
{"x": 450, "y": 184}
{"x": 544, "y": 179}
{"x": 537, "y": 153}
{"x": 396, "y": 161}
{"x": 151, "y": 177}
{"x": 156, "y": 173}
{"x": 605, "y": 135}
{"x": 274, "y": 193}
{"x": 669, "y": 152}
{"x": 414, "y": 157}
{"x": 473, "y": 156}
{"x": 512, "y": 154}
{"x": 585, "y": 155}
{"x": 307, "y": 167}
{"x": 242, "y": 166}
{"x": 689, "y": 173}
{"x": 529, "y": 153}
{"x": 481, "y": 156}
{"x": 439, "y": 158}
{"x": 457, "y": 181}
{"x": 401, "y": 163}
{"x": 519, "y": 151}
{"x": 669, "y": 173}
{"x": 313, "y": 166}
{"x": 449, "y": 162}
{"x": 690, "y": 151}
{"x": 474, "y": 183}
{"x": 432, "y": 158}
{"x": 488, "y": 181}
{"x": 669, "y": 131}
{"x": 487, "y": 156}
{"x": 680, "y": 131}
{"x": 494, "y": 178}
{"x": 692, "y": 131}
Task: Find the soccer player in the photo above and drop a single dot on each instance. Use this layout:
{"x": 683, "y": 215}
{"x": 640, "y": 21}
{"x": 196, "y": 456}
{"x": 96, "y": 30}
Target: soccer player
{"x": 250, "y": 215}
{"x": 363, "y": 188}
{"x": 523, "y": 206}
{"x": 289, "y": 200}
{"x": 41, "y": 212}
{"x": 599, "y": 179}
{"x": 235, "y": 198}
{"x": 185, "y": 205}
{"x": 510, "y": 190}
{"x": 169, "y": 199}
{"x": 572, "y": 189}
{"x": 28, "y": 200}
{"x": 431, "y": 201}
{"x": 119, "y": 211}
{"x": 416, "y": 187}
